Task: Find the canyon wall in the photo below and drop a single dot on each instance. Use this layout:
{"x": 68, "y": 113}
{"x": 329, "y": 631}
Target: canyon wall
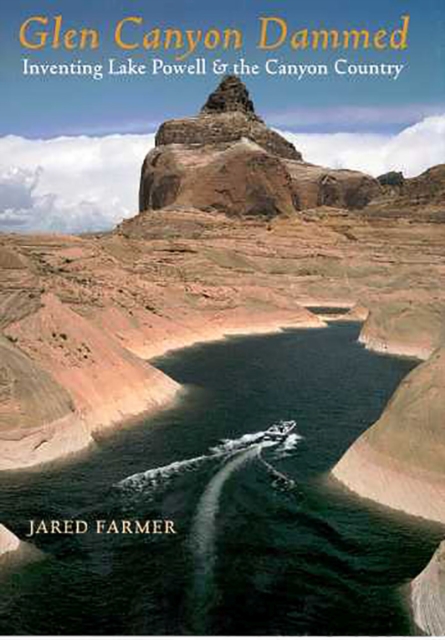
{"x": 400, "y": 460}
{"x": 13, "y": 550}
{"x": 428, "y": 595}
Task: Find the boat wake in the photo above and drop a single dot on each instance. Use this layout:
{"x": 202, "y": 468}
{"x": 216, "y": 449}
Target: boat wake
{"x": 203, "y": 532}
{"x": 228, "y": 456}
{"x": 280, "y": 480}
{"x": 281, "y": 436}
{"x": 202, "y": 540}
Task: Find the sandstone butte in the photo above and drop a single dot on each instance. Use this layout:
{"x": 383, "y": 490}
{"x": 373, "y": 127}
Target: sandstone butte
{"x": 236, "y": 234}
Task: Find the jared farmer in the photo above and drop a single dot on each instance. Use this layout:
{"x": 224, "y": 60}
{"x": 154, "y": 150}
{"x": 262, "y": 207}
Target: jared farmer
{"x": 107, "y": 527}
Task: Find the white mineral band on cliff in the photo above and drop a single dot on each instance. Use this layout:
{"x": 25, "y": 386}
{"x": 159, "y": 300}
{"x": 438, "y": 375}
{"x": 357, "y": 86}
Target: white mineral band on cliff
{"x": 428, "y": 595}
{"x": 12, "y": 549}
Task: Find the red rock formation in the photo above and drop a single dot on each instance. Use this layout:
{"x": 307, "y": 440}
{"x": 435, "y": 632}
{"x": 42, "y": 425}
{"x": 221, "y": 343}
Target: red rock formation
{"x": 316, "y": 186}
{"x": 240, "y": 179}
{"x": 226, "y": 159}
{"x": 419, "y": 197}
{"x": 230, "y": 95}
{"x": 426, "y": 189}
{"x": 227, "y": 117}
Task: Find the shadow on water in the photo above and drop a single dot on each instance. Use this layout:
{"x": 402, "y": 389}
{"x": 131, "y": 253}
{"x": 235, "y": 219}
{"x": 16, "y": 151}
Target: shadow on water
{"x": 265, "y": 545}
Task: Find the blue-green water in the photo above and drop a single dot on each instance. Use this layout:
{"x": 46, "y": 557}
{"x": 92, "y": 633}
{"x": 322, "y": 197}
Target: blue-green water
{"x": 267, "y": 544}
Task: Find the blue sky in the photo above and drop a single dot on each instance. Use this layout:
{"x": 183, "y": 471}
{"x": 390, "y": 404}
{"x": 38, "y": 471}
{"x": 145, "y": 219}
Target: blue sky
{"x": 44, "y": 108}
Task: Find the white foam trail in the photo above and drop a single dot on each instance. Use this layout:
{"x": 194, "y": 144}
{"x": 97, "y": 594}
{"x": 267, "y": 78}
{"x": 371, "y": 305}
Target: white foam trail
{"x": 288, "y": 446}
{"x": 233, "y": 453}
{"x": 203, "y": 529}
{"x": 229, "y": 446}
{"x": 203, "y": 535}
{"x": 153, "y": 477}
{"x": 153, "y": 480}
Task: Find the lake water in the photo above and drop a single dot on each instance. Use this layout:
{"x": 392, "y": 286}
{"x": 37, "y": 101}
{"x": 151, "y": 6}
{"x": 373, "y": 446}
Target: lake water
{"x": 266, "y": 543}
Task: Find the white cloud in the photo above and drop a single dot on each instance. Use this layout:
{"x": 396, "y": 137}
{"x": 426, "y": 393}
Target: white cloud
{"x": 69, "y": 184}
{"x": 412, "y": 151}
{"x": 83, "y": 183}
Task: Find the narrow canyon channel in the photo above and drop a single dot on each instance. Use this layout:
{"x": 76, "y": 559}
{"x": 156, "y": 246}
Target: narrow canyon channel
{"x": 266, "y": 542}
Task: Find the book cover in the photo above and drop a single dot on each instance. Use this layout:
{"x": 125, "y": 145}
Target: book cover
{"x": 222, "y": 318}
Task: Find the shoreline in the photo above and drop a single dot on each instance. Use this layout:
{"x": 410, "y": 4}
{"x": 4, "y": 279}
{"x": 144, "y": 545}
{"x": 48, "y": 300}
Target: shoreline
{"x": 166, "y": 334}
{"x": 73, "y": 434}
{"x": 404, "y": 329}
{"x": 415, "y": 492}
{"x": 374, "y": 476}
{"x": 74, "y": 438}
{"x": 390, "y": 348}
{"x": 78, "y": 438}
{"x": 417, "y": 496}
{"x": 223, "y": 333}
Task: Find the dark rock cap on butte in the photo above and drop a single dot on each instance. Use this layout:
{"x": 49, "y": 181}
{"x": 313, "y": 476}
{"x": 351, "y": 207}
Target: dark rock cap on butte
{"x": 227, "y": 116}
{"x": 231, "y": 95}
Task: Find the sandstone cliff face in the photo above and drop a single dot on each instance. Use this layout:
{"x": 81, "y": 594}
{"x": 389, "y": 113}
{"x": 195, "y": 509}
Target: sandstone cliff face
{"x": 239, "y": 180}
{"x": 428, "y": 595}
{"x": 315, "y": 186}
{"x": 227, "y": 160}
{"x": 231, "y": 95}
{"x": 411, "y": 427}
{"x": 419, "y": 197}
{"x": 88, "y": 382}
{"x": 358, "y": 313}
{"x": 400, "y": 460}
{"x": 13, "y": 550}
{"x": 405, "y": 328}
{"x": 428, "y": 188}
{"x": 38, "y": 421}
